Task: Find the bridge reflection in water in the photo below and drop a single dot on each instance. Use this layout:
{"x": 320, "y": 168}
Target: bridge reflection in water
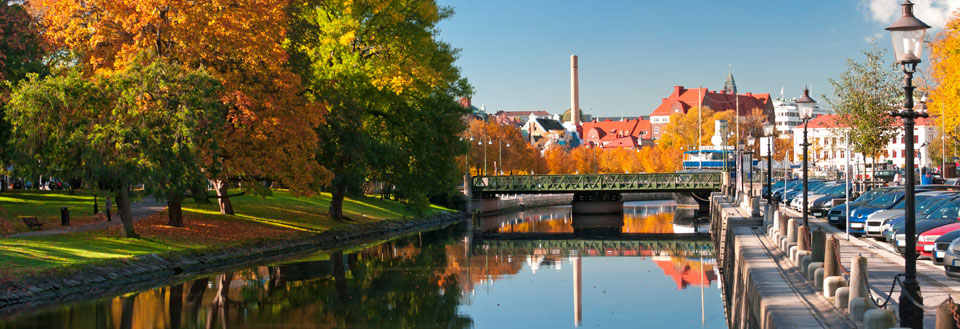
{"x": 504, "y": 271}
{"x": 671, "y": 237}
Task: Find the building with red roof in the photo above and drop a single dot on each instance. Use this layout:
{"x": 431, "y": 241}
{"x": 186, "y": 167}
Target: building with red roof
{"x": 828, "y": 147}
{"x": 682, "y": 100}
{"x": 617, "y": 134}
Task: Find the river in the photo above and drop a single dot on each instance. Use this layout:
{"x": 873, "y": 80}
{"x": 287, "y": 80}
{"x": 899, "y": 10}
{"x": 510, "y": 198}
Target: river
{"x": 653, "y": 267}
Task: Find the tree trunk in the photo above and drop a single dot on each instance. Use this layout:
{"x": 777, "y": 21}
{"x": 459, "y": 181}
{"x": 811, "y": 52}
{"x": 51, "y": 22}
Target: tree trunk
{"x": 174, "y": 211}
{"x": 340, "y": 276}
{"x": 176, "y": 306}
{"x": 126, "y": 216}
{"x": 223, "y": 197}
{"x": 336, "y": 201}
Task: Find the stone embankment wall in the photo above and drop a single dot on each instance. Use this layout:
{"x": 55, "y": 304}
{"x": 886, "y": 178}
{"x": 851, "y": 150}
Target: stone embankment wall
{"x": 151, "y": 270}
{"x": 513, "y": 203}
{"x": 756, "y": 290}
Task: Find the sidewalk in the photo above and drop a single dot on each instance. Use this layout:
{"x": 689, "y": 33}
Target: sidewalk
{"x": 140, "y": 210}
{"x": 883, "y": 263}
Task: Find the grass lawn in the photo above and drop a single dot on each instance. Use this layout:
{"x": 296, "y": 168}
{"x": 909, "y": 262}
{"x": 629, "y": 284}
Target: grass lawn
{"x": 279, "y": 216}
{"x": 45, "y": 205}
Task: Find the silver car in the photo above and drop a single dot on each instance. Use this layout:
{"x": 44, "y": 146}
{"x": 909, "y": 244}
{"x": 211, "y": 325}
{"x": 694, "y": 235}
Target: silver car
{"x": 951, "y": 259}
{"x": 875, "y": 222}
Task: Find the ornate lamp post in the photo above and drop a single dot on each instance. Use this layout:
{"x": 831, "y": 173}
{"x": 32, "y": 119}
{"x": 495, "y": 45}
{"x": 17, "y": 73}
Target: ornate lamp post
{"x": 768, "y": 130}
{"x": 805, "y": 105}
{"x": 907, "y": 34}
{"x": 740, "y": 148}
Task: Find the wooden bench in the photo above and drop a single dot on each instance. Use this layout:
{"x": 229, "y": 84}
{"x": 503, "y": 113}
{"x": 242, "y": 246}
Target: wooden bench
{"x": 32, "y": 222}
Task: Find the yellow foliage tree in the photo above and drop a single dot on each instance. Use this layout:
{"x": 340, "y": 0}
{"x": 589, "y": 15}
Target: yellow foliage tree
{"x": 945, "y": 73}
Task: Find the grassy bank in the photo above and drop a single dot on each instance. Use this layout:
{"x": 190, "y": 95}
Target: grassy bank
{"x": 280, "y": 216}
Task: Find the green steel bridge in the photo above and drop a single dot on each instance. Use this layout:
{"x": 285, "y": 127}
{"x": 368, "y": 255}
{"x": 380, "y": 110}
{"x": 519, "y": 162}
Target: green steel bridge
{"x": 623, "y": 183}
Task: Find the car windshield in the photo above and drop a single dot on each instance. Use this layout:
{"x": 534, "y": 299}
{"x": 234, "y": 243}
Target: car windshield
{"x": 823, "y": 188}
{"x": 884, "y": 201}
{"x": 919, "y": 200}
{"x": 838, "y": 190}
{"x": 932, "y": 203}
{"x": 948, "y": 210}
{"x": 778, "y": 184}
{"x": 870, "y": 195}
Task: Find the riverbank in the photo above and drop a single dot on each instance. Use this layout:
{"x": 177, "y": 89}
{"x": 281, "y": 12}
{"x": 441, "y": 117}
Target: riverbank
{"x": 148, "y": 270}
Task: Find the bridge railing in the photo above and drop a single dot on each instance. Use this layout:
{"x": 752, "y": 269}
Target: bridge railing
{"x": 598, "y": 182}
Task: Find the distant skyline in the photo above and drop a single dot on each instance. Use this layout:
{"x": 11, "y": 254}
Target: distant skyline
{"x": 516, "y": 54}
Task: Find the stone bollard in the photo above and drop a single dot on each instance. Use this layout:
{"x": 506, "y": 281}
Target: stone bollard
{"x": 945, "y": 317}
{"x": 819, "y": 240}
{"x": 830, "y": 258}
{"x": 859, "y": 306}
{"x": 879, "y": 319}
{"x": 811, "y": 270}
{"x": 805, "y": 259}
{"x": 858, "y": 283}
{"x": 818, "y": 278}
{"x": 831, "y": 284}
{"x": 803, "y": 238}
{"x": 842, "y": 298}
{"x": 791, "y": 234}
{"x": 783, "y": 222}
{"x": 798, "y": 259}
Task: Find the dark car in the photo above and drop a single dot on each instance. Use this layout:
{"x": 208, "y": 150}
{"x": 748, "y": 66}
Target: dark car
{"x": 858, "y": 217}
{"x": 838, "y": 215}
{"x": 941, "y": 245}
{"x": 820, "y": 206}
{"x": 923, "y": 225}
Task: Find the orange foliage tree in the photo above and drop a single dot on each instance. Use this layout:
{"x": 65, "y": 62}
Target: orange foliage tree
{"x": 945, "y": 73}
{"x": 519, "y": 157}
{"x": 269, "y": 132}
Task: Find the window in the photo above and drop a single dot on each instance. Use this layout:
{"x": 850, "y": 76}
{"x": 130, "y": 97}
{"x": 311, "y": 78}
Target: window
{"x": 916, "y": 139}
{"x": 656, "y": 130}
{"x": 903, "y": 154}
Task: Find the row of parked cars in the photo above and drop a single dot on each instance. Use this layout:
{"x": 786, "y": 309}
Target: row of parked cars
{"x": 879, "y": 213}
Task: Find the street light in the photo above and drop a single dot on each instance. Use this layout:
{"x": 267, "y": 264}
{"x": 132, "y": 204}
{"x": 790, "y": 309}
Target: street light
{"x": 489, "y": 142}
{"x": 500, "y": 166}
{"x": 768, "y": 130}
{"x": 907, "y": 34}
{"x": 805, "y": 105}
{"x": 740, "y": 148}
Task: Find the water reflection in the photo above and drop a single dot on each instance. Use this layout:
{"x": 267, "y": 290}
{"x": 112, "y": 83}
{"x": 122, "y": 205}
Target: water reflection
{"x": 639, "y": 217}
{"x": 464, "y": 276}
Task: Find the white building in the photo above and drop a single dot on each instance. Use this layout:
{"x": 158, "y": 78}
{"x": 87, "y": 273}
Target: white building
{"x": 787, "y": 116}
{"x": 828, "y": 149}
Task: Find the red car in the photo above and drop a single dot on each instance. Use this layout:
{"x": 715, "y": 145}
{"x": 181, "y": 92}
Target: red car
{"x": 925, "y": 242}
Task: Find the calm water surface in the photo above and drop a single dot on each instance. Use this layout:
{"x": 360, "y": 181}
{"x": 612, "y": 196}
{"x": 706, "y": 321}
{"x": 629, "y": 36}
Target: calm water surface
{"x": 537, "y": 269}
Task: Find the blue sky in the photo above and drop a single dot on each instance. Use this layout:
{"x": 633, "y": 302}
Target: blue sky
{"x": 517, "y": 53}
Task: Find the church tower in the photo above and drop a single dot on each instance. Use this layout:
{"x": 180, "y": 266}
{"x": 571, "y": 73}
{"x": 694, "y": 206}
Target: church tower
{"x": 730, "y": 87}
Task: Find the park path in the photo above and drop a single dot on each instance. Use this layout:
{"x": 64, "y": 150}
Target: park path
{"x": 140, "y": 210}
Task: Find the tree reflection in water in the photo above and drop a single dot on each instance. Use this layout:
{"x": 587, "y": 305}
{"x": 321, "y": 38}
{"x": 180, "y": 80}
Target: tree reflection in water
{"x": 416, "y": 281}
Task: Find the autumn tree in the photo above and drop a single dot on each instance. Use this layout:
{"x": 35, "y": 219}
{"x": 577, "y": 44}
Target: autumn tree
{"x": 518, "y": 155}
{"x": 945, "y": 75}
{"x": 269, "y": 126}
{"x": 369, "y": 61}
{"x": 863, "y": 97}
{"x": 147, "y": 123}
{"x": 21, "y": 52}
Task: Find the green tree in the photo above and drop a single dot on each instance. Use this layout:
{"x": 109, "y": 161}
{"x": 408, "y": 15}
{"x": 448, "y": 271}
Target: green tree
{"x": 566, "y": 116}
{"x": 864, "y": 95}
{"x": 146, "y": 124}
{"x": 21, "y": 53}
{"x": 387, "y": 83}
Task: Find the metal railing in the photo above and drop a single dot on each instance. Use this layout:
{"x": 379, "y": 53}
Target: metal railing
{"x": 699, "y": 181}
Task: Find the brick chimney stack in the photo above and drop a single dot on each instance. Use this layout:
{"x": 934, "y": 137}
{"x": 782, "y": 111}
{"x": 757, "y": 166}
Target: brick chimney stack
{"x": 574, "y": 91}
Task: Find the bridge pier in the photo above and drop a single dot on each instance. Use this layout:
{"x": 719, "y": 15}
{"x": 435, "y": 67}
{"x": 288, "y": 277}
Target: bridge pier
{"x": 597, "y": 203}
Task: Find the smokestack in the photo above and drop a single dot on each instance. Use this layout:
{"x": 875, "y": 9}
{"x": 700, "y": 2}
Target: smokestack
{"x": 574, "y": 91}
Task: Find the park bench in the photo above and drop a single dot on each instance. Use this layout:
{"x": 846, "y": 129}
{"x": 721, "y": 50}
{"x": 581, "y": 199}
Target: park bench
{"x": 32, "y": 222}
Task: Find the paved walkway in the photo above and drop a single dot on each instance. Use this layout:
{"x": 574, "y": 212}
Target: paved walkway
{"x": 883, "y": 263}
{"x": 140, "y": 210}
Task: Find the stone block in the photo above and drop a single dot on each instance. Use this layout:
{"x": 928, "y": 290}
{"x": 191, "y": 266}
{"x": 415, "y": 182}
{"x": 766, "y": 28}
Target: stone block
{"x": 859, "y": 306}
{"x": 805, "y": 257}
{"x": 831, "y": 284}
{"x": 811, "y": 268}
{"x": 879, "y": 319}
{"x": 818, "y": 278}
{"x": 792, "y": 251}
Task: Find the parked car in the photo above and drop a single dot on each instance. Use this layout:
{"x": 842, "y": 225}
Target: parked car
{"x": 779, "y": 194}
{"x": 899, "y": 238}
{"x": 798, "y": 192}
{"x": 929, "y": 205}
{"x": 941, "y": 244}
{"x": 926, "y": 241}
{"x": 950, "y": 257}
{"x": 820, "y": 204}
{"x": 838, "y": 215}
{"x": 815, "y": 191}
{"x": 874, "y": 222}
{"x": 859, "y": 217}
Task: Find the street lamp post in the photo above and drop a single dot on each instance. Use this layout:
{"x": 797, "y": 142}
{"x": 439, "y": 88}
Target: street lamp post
{"x": 489, "y": 141}
{"x": 805, "y": 106}
{"x": 768, "y": 130}
{"x": 907, "y": 34}
{"x": 740, "y": 148}
{"x": 500, "y": 166}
